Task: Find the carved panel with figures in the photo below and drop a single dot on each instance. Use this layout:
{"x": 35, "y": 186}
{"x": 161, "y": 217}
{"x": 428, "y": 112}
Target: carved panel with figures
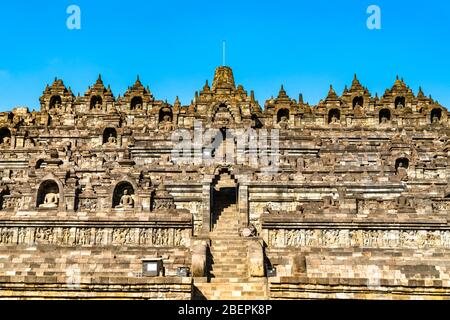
{"x": 86, "y": 236}
{"x": 359, "y": 238}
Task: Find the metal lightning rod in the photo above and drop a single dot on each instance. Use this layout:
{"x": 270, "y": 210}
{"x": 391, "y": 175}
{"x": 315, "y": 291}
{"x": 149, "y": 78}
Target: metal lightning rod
{"x": 223, "y": 52}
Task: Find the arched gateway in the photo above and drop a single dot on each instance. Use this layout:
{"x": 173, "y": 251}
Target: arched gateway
{"x": 224, "y": 195}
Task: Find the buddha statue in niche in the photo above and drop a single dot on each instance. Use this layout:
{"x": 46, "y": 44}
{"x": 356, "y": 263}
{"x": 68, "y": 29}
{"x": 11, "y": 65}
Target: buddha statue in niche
{"x": 334, "y": 119}
{"x": 435, "y": 119}
{"x": 283, "y": 123}
{"x": 402, "y": 173}
{"x": 6, "y": 142}
{"x": 126, "y": 201}
{"x": 112, "y": 139}
{"x": 50, "y": 200}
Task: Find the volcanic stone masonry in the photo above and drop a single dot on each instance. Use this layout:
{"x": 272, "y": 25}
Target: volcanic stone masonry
{"x": 91, "y": 198}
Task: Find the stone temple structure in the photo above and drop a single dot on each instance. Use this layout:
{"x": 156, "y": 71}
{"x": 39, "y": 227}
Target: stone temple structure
{"x": 94, "y": 203}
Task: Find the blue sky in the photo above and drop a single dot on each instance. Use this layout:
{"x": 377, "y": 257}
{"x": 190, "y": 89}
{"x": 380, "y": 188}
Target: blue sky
{"x": 175, "y": 45}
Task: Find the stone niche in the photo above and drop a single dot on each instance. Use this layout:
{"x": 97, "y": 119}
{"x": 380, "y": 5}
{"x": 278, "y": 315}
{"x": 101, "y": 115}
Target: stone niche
{"x": 49, "y": 195}
{"x": 124, "y": 196}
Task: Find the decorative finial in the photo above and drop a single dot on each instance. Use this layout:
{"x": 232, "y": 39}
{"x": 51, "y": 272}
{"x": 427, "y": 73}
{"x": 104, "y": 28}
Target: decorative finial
{"x": 99, "y": 79}
{"x": 300, "y": 98}
{"x": 138, "y": 82}
{"x": 206, "y": 86}
{"x": 420, "y": 93}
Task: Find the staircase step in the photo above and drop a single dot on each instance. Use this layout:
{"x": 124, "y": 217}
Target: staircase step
{"x": 224, "y": 274}
{"x": 231, "y": 267}
{"x": 228, "y": 268}
{"x": 230, "y": 241}
{"x": 236, "y": 289}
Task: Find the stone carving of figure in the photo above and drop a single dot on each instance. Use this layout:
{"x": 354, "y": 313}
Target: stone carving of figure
{"x": 384, "y": 120}
{"x": 435, "y": 119}
{"x": 29, "y": 119}
{"x": 98, "y": 106}
{"x": 331, "y": 201}
{"x": 283, "y": 122}
{"x": 404, "y": 202}
{"x": 268, "y": 209}
{"x": 300, "y": 209}
{"x": 29, "y": 143}
{"x": 126, "y": 201}
{"x": 6, "y": 141}
{"x": 112, "y": 139}
{"x": 22, "y": 233}
{"x": 327, "y": 202}
{"x": 334, "y": 119}
{"x": 50, "y": 200}
{"x": 401, "y": 172}
{"x": 166, "y": 123}
{"x": 57, "y": 105}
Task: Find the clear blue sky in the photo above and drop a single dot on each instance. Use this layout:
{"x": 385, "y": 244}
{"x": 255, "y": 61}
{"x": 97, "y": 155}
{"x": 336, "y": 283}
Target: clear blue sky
{"x": 175, "y": 45}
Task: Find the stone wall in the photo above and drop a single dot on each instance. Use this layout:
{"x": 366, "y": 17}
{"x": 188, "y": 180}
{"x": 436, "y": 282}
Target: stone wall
{"x": 91, "y": 182}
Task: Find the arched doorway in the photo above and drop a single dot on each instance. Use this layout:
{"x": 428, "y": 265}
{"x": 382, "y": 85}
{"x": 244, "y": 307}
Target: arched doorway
{"x": 222, "y": 115}
{"x": 282, "y": 114}
{"x": 358, "y": 101}
{"x": 96, "y": 103}
{"x": 165, "y": 115}
{"x": 110, "y": 136}
{"x": 435, "y": 115}
{"x": 5, "y": 136}
{"x": 222, "y": 148}
{"x": 48, "y": 195}
{"x": 334, "y": 116}
{"x": 224, "y": 195}
{"x": 400, "y": 102}
{"x": 123, "y": 195}
{"x": 55, "y": 102}
{"x": 136, "y": 103}
{"x": 401, "y": 163}
{"x": 384, "y": 116}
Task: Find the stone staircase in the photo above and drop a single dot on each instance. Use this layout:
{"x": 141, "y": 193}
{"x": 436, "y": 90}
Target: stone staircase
{"x": 228, "y": 275}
